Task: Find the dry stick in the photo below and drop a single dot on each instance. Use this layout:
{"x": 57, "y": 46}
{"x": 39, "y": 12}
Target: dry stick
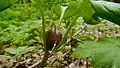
{"x": 40, "y": 62}
{"x": 35, "y": 64}
{"x": 80, "y": 31}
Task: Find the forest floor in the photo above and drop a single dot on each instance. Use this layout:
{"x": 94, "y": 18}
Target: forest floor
{"x": 63, "y": 58}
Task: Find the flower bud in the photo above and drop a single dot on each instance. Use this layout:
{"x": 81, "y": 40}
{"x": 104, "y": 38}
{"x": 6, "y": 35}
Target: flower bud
{"x": 53, "y": 37}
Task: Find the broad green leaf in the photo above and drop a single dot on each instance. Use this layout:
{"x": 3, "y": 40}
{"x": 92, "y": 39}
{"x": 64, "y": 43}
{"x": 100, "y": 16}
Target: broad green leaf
{"x": 91, "y": 19}
{"x": 24, "y": 49}
{"x": 4, "y": 57}
{"x": 104, "y": 51}
{"x": 4, "y": 4}
{"x": 79, "y": 8}
{"x": 107, "y": 10}
{"x": 71, "y": 10}
{"x": 82, "y": 8}
{"x": 57, "y": 10}
{"x": 12, "y": 50}
{"x": 19, "y": 50}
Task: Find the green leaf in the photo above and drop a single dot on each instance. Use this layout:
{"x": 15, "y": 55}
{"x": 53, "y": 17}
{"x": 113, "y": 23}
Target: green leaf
{"x": 79, "y": 8}
{"x": 84, "y": 9}
{"x": 4, "y": 4}
{"x": 107, "y": 10}
{"x": 104, "y": 51}
{"x": 25, "y": 49}
{"x": 91, "y": 19}
{"x": 4, "y": 57}
{"x": 19, "y": 50}
{"x": 57, "y": 10}
{"x": 71, "y": 10}
{"x": 12, "y": 50}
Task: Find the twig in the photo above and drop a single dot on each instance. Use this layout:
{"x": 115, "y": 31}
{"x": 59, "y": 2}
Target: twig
{"x": 79, "y": 31}
{"x": 35, "y": 64}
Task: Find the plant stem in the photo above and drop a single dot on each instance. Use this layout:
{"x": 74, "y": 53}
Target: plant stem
{"x": 66, "y": 33}
{"x": 62, "y": 15}
{"x": 41, "y": 65}
{"x": 45, "y": 58}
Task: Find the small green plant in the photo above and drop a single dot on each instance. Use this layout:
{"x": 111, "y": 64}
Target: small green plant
{"x": 91, "y": 11}
{"x": 19, "y": 28}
